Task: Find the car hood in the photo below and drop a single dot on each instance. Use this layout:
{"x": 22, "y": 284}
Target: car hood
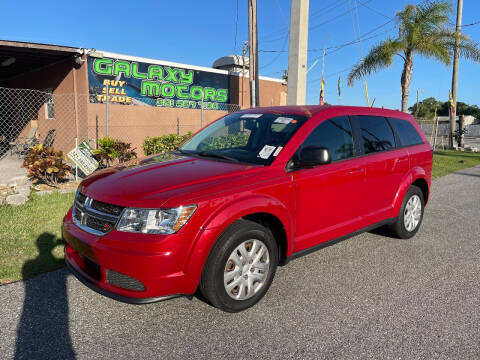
{"x": 151, "y": 181}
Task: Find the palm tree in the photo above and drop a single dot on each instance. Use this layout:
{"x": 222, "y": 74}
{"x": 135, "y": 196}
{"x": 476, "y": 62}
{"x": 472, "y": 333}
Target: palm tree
{"x": 422, "y": 30}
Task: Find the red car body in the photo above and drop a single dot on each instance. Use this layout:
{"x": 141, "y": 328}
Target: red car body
{"x": 307, "y": 208}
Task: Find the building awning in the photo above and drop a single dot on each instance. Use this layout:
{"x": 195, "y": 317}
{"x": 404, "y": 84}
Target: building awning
{"x": 18, "y": 57}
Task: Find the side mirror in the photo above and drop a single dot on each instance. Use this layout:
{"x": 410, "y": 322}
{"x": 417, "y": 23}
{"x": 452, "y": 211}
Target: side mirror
{"x": 313, "y": 155}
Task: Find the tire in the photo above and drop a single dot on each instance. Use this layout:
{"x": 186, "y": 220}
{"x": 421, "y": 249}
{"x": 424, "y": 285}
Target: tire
{"x": 413, "y": 200}
{"x": 236, "y": 276}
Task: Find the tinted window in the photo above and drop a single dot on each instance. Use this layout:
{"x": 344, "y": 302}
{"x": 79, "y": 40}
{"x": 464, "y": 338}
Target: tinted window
{"x": 406, "y": 132}
{"x": 376, "y": 134}
{"x": 334, "y": 134}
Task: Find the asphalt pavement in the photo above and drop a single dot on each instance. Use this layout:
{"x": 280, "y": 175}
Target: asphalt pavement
{"x": 367, "y": 297}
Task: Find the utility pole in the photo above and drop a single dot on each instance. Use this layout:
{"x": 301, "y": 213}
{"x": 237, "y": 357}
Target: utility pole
{"x": 244, "y": 51}
{"x": 297, "y": 53}
{"x": 453, "y": 111}
{"x": 417, "y": 104}
{"x": 253, "y": 53}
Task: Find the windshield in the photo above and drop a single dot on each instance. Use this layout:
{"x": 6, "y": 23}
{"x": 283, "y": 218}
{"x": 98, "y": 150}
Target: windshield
{"x": 245, "y": 138}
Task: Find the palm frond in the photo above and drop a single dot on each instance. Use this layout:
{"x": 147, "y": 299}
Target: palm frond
{"x": 380, "y": 56}
{"x": 469, "y": 49}
{"x": 434, "y": 48}
{"x": 433, "y": 13}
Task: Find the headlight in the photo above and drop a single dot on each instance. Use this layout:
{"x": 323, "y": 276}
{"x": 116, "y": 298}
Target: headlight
{"x": 155, "y": 221}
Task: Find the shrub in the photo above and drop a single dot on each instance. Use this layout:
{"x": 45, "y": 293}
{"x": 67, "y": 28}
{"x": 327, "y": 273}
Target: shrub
{"x": 110, "y": 150}
{"x": 226, "y": 141}
{"x": 46, "y": 165}
{"x": 164, "y": 143}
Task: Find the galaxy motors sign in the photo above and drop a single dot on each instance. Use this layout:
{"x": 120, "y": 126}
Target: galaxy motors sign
{"x": 138, "y": 83}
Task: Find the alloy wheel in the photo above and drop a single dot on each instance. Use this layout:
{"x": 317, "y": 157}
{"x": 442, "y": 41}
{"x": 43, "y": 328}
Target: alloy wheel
{"x": 413, "y": 213}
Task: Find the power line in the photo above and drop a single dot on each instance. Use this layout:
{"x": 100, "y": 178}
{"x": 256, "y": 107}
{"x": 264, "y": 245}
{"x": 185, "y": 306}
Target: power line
{"x": 338, "y": 47}
{"x": 324, "y": 10}
{"x": 472, "y": 24}
{"x": 280, "y": 53}
{"x": 336, "y": 17}
{"x": 376, "y": 11}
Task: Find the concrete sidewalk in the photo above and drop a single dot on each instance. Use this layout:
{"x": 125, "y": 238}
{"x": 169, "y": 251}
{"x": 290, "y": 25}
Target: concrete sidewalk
{"x": 10, "y": 168}
{"x": 366, "y": 297}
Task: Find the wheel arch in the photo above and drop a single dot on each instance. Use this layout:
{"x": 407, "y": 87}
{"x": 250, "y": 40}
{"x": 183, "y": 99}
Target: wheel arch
{"x": 423, "y": 185}
{"x": 277, "y": 229}
{"x": 416, "y": 176}
{"x": 261, "y": 209}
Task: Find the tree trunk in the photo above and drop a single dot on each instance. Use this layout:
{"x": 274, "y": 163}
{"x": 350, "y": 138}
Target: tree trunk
{"x": 406, "y": 79}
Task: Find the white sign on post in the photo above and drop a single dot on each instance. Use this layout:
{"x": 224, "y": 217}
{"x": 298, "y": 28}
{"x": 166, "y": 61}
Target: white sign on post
{"x": 82, "y": 156}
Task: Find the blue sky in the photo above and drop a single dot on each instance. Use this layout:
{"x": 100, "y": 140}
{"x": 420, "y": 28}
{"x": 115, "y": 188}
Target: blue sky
{"x": 198, "y": 32}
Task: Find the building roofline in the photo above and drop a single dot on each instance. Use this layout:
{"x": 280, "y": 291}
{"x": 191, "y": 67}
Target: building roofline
{"x": 39, "y": 46}
{"x": 108, "y": 54}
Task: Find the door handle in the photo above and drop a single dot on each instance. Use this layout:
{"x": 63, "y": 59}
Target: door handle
{"x": 354, "y": 171}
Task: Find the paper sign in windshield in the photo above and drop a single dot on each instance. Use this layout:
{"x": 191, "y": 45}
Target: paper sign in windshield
{"x": 283, "y": 120}
{"x": 278, "y": 150}
{"x": 266, "y": 151}
{"x": 251, "y": 116}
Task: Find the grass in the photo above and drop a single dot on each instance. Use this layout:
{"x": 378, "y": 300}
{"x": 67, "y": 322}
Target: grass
{"x": 445, "y": 162}
{"x": 30, "y": 236}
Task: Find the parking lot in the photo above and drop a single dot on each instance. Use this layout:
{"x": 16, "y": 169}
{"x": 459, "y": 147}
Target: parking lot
{"x": 366, "y": 297}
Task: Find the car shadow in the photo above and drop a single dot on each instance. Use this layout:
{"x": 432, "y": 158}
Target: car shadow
{"x": 43, "y": 330}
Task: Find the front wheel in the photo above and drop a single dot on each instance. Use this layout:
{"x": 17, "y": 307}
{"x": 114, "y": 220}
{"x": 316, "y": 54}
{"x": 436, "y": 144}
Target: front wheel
{"x": 411, "y": 214}
{"x": 240, "y": 267}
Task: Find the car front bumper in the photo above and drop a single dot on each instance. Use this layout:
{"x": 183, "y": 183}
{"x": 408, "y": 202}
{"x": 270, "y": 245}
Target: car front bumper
{"x": 133, "y": 268}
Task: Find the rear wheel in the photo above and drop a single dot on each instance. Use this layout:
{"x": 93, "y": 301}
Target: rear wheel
{"x": 411, "y": 214}
{"x": 240, "y": 267}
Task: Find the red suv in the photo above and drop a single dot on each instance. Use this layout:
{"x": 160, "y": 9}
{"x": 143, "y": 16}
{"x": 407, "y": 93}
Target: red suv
{"x": 251, "y": 191}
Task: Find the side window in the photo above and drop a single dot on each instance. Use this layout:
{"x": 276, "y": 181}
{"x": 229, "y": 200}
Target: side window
{"x": 406, "y": 132}
{"x": 334, "y": 134}
{"x": 375, "y": 134}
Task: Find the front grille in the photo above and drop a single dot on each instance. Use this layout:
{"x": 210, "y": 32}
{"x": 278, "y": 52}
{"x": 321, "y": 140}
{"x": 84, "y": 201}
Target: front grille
{"x": 94, "y": 216}
{"x": 99, "y": 224}
{"x": 106, "y": 208}
{"x": 123, "y": 281}
{"x": 81, "y": 198}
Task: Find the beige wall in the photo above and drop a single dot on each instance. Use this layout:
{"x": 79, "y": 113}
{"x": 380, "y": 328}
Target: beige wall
{"x": 272, "y": 93}
{"x": 133, "y": 123}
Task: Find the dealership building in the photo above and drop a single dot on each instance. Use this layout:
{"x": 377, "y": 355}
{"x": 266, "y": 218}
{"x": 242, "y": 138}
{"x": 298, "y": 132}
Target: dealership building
{"x": 79, "y": 94}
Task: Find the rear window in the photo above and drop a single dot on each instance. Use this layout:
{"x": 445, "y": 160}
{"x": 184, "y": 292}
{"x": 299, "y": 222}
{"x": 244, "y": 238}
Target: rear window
{"x": 376, "y": 134}
{"x": 407, "y": 134}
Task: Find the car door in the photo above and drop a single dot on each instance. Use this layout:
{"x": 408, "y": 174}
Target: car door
{"x": 385, "y": 166}
{"x": 328, "y": 197}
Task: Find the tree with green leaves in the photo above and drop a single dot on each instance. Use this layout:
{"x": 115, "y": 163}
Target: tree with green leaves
{"x": 422, "y": 30}
{"x": 426, "y": 109}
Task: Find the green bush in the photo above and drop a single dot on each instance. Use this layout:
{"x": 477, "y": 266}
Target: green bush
{"x": 46, "y": 165}
{"x": 164, "y": 143}
{"x": 110, "y": 150}
{"x": 226, "y": 141}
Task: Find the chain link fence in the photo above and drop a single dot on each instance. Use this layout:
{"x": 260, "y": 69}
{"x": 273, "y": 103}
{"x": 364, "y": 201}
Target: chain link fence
{"x": 437, "y": 132}
{"x": 31, "y": 117}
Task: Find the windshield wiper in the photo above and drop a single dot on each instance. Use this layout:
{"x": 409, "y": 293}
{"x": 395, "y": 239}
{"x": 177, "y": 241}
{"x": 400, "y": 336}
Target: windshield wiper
{"x": 217, "y": 155}
{"x": 182, "y": 152}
